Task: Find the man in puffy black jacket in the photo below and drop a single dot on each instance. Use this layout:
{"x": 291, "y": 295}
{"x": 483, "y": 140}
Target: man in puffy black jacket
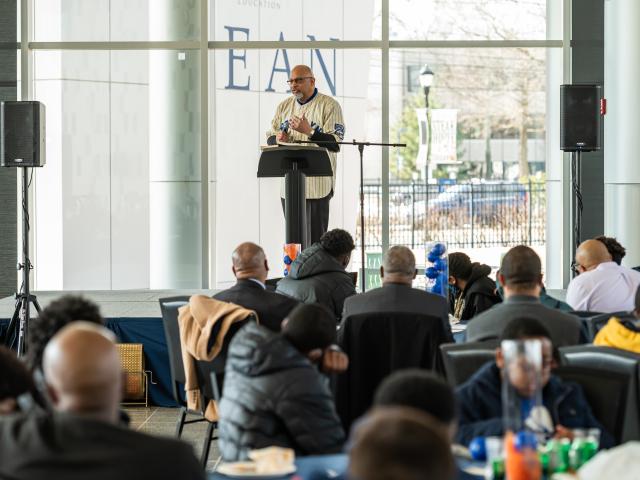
{"x": 273, "y": 393}
{"x": 318, "y": 274}
{"x": 472, "y": 291}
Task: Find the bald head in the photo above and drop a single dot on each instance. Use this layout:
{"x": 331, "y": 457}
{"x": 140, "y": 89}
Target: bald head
{"x": 590, "y": 254}
{"x": 249, "y": 261}
{"x": 301, "y": 70}
{"x": 82, "y": 369}
{"x": 398, "y": 266}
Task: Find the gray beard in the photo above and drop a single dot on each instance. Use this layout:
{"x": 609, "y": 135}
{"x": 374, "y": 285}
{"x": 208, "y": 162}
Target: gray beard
{"x": 298, "y": 95}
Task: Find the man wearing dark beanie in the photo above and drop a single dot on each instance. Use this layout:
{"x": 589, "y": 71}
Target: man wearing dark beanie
{"x": 521, "y": 278}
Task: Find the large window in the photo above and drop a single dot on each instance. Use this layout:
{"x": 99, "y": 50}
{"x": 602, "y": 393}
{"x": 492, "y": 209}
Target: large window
{"x": 156, "y": 111}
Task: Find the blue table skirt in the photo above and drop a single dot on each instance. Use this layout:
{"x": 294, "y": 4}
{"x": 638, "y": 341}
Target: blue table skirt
{"x": 150, "y": 332}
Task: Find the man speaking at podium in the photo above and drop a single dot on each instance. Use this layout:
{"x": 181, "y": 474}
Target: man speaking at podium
{"x": 309, "y": 115}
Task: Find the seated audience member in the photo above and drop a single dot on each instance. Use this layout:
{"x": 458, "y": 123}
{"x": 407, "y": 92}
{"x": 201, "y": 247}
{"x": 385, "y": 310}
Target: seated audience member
{"x": 250, "y": 268}
{"x": 602, "y": 285}
{"x": 614, "y": 248}
{"x": 545, "y": 299}
{"x": 397, "y": 295}
{"x": 81, "y": 439}
{"x": 273, "y": 393}
{"x": 400, "y": 443}
{"x": 15, "y": 380}
{"x": 472, "y": 291}
{"x": 424, "y": 391}
{"x": 318, "y": 274}
{"x": 520, "y": 276}
{"x": 622, "y": 331}
{"x": 58, "y": 313}
{"x": 480, "y": 398}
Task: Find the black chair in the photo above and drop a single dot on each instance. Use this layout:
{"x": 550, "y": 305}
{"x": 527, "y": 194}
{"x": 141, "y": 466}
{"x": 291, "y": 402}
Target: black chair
{"x": 377, "y": 345}
{"x": 169, "y": 308}
{"x": 210, "y": 377}
{"x": 606, "y": 393}
{"x": 462, "y": 360}
{"x": 595, "y": 323}
{"x": 621, "y": 414}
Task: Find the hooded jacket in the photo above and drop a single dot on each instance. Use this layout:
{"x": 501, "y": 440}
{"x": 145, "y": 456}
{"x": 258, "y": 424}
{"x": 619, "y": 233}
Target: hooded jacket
{"x": 480, "y": 404}
{"x": 317, "y": 277}
{"x": 274, "y": 396}
{"x": 620, "y": 333}
{"x": 478, "y": 295}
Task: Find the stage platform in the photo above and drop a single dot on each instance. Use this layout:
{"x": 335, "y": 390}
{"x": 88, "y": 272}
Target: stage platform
{"x": 134, "y": 316}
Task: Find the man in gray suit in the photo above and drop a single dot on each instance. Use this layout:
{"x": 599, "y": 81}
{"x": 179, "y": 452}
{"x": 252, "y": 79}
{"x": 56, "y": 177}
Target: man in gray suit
{"x": 521, "y": 277}
{"x": 397, "y": 295}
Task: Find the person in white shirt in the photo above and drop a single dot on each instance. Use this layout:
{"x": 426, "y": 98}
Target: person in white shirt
{"x": 601, "y": 285}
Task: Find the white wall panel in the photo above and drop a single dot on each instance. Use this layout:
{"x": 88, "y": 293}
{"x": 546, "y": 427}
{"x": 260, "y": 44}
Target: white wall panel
{"x": 86, "y": 186}
{"x": 129, "y": 186}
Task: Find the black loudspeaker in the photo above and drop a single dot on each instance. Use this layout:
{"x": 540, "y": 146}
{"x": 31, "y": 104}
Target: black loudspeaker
{"x": 580, "y": 117}
{"x": 22, "y": 134}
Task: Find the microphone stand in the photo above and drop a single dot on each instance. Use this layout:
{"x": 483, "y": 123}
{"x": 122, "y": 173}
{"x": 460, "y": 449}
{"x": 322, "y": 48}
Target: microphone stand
{"x": 360, "y": 146}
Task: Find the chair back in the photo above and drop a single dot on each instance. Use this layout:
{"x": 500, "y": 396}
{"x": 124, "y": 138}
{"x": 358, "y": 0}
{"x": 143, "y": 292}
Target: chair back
{"x": 377, "y": 345}
{"x": 583, "y": 313}
{"x": 622, "y": 415}
{"x": 169, "y": 307}
{"x": 462, "y": 360}
{"x": 606, "y": 393}
{"x": 210, "y": 375}
{"x": 595, "y": 323}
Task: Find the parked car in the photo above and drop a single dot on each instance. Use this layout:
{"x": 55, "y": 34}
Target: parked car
{"x": 484, "y": 199}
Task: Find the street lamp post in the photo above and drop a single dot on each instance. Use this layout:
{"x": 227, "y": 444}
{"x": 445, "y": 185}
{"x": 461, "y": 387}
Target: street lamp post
{"x": 426, "y": 80}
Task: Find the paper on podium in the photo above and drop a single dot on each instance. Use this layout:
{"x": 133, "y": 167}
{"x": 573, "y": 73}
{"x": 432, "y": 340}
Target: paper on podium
{"x": 293, "y": 146}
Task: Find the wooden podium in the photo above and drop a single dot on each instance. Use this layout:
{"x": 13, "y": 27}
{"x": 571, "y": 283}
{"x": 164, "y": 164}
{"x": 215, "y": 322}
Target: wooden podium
{"x": 295, "y": 163}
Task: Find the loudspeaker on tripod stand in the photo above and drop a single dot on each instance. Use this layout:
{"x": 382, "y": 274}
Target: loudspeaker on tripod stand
{"x": 580, "y": 115}
{"x": 22, "y": 144}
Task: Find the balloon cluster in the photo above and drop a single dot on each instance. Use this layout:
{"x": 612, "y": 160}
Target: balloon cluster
{"x": 438, "y": 272}
{"x": 291, "y": 251}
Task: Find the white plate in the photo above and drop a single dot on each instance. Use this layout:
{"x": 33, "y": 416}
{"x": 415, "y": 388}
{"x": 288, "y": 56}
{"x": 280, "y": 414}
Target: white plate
{"x": 230, "y": 470}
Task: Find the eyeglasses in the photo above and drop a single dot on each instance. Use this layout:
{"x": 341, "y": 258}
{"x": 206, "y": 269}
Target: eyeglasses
{"x": 577, "y": 268}
{"x": 298, "y": 80}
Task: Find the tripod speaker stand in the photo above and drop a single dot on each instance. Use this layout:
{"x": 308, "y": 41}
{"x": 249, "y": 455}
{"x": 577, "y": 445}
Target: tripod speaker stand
{"x": 19, "y": 325}
{"x": 22, "y": 145}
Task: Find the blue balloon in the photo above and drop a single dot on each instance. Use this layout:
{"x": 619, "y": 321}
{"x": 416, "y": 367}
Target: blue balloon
{"x": 478, "y": 449}
{"x": 439, "y": 249}
{"x": 431, "y": 273}
{"x": 287, "y": 260}
{"x": 440, "y": 264}
{"x": 437, "y": 287}
{"x": 525, "y": 439}
{"x": 432, "y": 257}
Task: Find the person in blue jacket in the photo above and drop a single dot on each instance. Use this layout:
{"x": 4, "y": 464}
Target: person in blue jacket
{"x": 480, "y": 398}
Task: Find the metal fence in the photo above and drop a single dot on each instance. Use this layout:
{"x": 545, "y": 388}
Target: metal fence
{"x": 465, "y": 215}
